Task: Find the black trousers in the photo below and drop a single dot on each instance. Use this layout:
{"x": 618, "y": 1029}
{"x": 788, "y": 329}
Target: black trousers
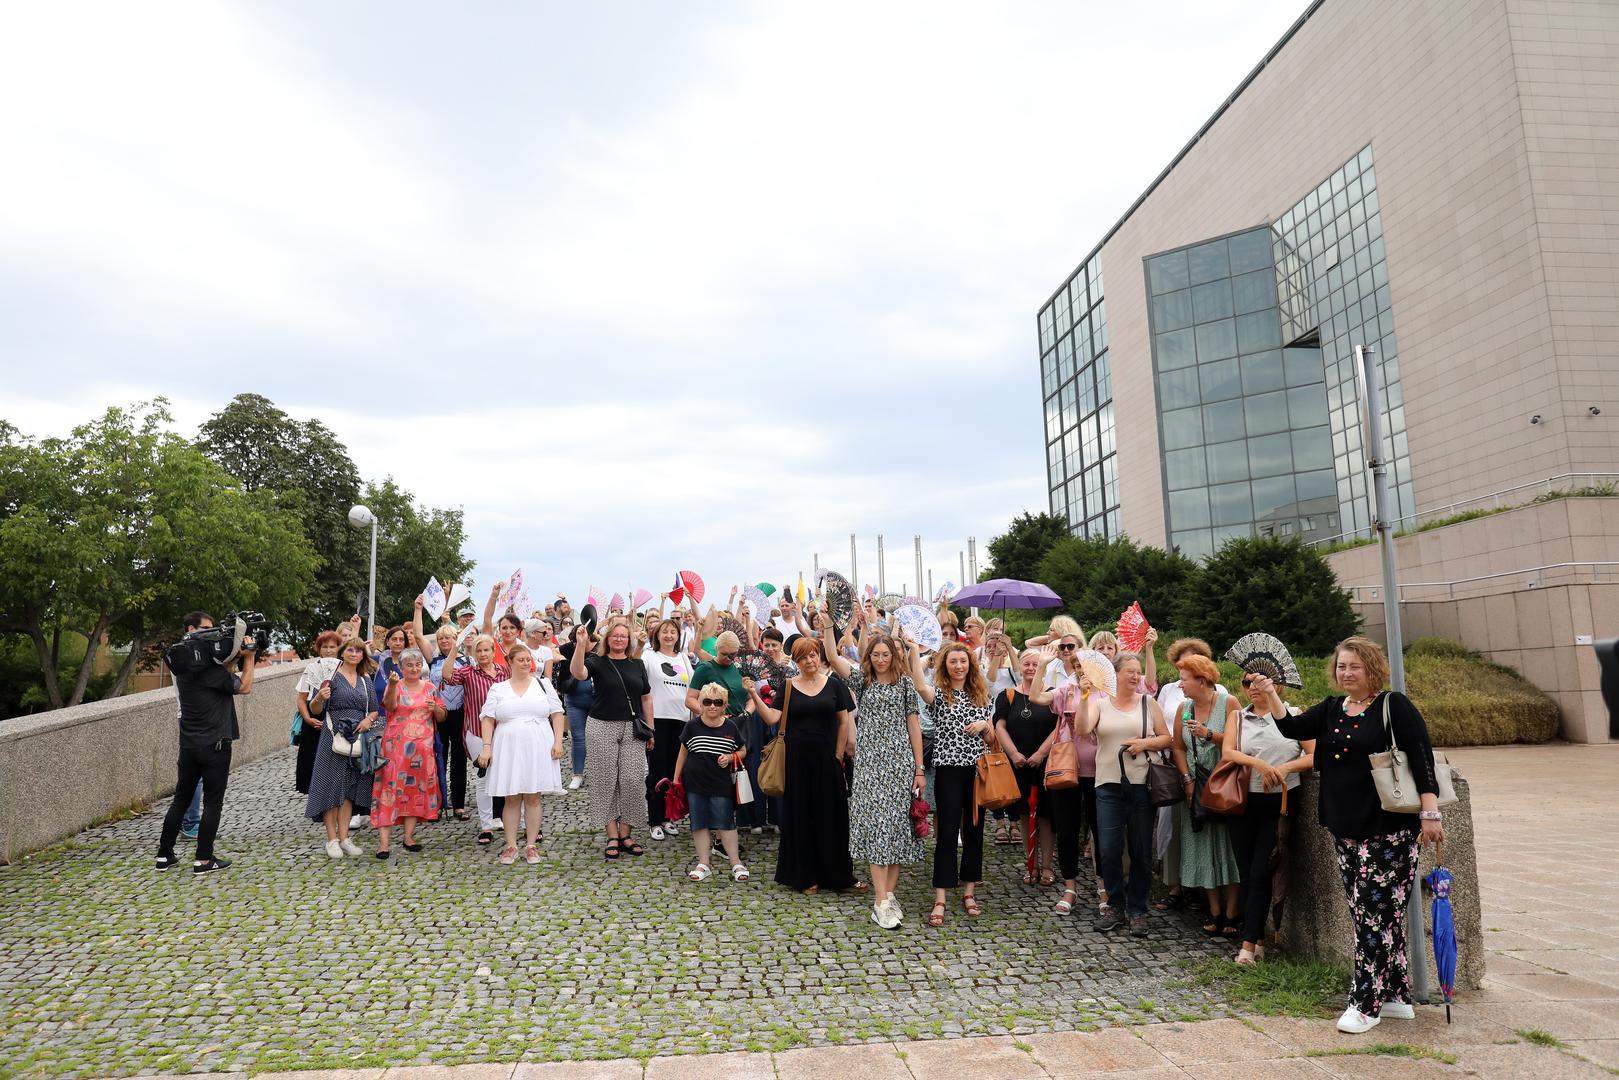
{"x": 660, "y": 765}
{"x": 455, "y": 759}
{"x": 211, "y": 765}
{"x": 1253, "y": 838}
{"x": 953, "y": 796}
{"x": 1062, "y": 808}
{"x": 1087, "y": 813}
{"x": 308, "y": 746}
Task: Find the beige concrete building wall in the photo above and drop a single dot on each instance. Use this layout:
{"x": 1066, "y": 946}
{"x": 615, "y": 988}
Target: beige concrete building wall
{"x": 1435, "y": 89}
{"x": 1566, "y": 54}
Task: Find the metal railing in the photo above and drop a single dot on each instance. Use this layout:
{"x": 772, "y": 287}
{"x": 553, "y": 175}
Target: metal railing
{"x": 1492, "y": 500}
{"x": 1603, "y": 573}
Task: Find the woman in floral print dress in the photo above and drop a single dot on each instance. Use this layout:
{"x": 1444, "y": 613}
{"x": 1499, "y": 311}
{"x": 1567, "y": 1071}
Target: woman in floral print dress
{"x": 405, "y": 788}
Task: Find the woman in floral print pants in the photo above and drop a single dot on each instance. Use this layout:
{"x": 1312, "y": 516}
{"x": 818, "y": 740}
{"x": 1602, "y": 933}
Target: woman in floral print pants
{"x": 1378, "y": 875}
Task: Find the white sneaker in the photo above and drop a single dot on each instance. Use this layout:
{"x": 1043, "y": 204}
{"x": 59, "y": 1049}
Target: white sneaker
{"x": 657, "y": 832}
{"x": 1397, "y": 1010}
{"x": 359, "y": 821}
{"x": 883, "y": 915}
{"x": 334, "y": 849}
{"x": 575, "y": 782}
{"x": 1355, "y": 1022}
{"x": 894, "y": 909}
{"x": 349, "y": 847}
{"x": 671, "y": 829}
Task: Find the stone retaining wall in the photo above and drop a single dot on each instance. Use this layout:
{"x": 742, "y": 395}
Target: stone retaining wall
{"x": 62, "y": 770}
{"x": 1316, "y": 920}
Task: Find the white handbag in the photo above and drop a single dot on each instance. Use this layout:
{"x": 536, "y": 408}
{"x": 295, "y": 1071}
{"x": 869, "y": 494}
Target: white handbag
{"x": 345, "y": 747}
{"x": 1397, "y": 786}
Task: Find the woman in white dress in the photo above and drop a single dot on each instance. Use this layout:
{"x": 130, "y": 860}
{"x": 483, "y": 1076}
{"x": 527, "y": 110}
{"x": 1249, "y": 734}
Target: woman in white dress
{"x": 522, "y": 722}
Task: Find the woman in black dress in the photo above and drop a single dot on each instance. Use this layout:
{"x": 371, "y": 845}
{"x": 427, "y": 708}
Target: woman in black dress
{"x": 1377, "y": 850}
{"x": 312, "y": 697}
{"x": 1027, "y": 727}
{"x": 818, "y": 713}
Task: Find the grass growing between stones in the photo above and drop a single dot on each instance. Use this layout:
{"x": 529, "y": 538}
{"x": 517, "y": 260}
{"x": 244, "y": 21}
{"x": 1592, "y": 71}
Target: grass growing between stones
{"x": 1281, "y": 986}
{"x": 1403, "y": 1050}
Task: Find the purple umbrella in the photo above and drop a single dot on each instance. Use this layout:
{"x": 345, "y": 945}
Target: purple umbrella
{"x": 1006, "y": 593}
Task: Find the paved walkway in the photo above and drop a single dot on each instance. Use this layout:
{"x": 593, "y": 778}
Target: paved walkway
{"x": 287, "y": 961}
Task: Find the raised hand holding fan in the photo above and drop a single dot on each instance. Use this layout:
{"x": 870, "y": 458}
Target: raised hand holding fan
{"x": 1266, "y": 655}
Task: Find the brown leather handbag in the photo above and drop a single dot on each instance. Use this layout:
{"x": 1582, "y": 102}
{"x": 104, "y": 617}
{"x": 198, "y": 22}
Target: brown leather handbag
{"x": 1062, "y": 760}
{"x": 773, "y": 758}
{"x": 1226, "y": 789}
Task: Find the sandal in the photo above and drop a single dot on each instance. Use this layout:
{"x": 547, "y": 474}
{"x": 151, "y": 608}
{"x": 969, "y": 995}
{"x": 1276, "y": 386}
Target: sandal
{"x": 413, "y": 848}
{"x": 1215, "y": 926}
{"x": 739, "y": 873}
{"x": 486, "y": 838}
{"x": 1245, "y": 957}
{"x": 1000, "y": 832}
{"x": 969, "y": 904}
{"x": 630, "y": 847}
{"x": 1028, "y": 877}
{"x": 462, "y": 815}
{"x": 612, "y": 848}
{"x": 812, "y": 890}
{"x": 1231, "y": 929}
{"x": 1047, "y": 878}
{"x": 1065, "y": 905}
{"x": 700, "y": 872}
{"x": 1172, "y": 902}
{"x": 937, "y": 916}
{"x": 857, "y": 887}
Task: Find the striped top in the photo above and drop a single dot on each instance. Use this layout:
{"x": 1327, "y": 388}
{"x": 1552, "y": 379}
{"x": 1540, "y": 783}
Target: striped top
{"x": 477, "y": 682}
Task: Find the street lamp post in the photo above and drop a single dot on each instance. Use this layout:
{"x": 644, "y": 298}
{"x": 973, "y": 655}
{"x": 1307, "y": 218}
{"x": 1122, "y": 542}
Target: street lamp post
{"x": 360, "y": 517}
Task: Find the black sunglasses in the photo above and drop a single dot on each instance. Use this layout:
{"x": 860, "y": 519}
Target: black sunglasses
{"x": 713, "y": 701}
{"x": 1066, "y": 648}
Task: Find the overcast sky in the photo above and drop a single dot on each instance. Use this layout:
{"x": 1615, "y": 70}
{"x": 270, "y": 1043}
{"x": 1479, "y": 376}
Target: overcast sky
{"x": 641, "y": 286}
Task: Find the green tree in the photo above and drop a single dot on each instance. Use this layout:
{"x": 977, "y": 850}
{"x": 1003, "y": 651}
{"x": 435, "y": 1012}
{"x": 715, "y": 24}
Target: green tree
{"x": 1018, "y": 551}
{"x": 414, "y": 543}
{"x": 1263, "y": 583}
{"x": 115, "y": 532}
{"x": 1098, "y": 578}
{"x": 309, "y": 472}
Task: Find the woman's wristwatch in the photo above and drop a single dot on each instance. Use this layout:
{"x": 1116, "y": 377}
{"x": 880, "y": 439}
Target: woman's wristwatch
{"x": 1430, "y": 815}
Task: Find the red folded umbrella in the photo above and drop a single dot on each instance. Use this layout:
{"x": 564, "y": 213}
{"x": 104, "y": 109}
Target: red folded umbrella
{"x": 674, "y": 799}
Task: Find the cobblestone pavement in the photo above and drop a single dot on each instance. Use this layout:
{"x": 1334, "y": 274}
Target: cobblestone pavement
{"x": 289, "y": 960}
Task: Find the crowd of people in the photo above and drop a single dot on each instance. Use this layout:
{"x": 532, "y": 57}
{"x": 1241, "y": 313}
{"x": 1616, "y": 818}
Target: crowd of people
{"x": 671, "y": 719}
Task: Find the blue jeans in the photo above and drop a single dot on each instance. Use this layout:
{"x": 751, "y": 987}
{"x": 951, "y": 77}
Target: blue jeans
{"x": 1124, "y": 822}
{"x": 711, "y": 812}
{"x": 577, "y": 706}
{"x": 193, "y": 819}
{"x": 764, "y": 809}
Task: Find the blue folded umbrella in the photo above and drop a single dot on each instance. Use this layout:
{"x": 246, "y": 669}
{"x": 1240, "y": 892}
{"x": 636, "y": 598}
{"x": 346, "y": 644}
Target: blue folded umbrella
{"x": 1438, "y": 882}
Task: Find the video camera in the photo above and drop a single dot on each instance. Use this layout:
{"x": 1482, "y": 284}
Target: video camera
{"x": 237, "y": 632}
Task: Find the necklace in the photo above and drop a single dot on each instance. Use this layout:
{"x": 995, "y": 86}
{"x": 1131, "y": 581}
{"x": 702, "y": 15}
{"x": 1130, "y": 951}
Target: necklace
{"x": 1362, "y": 702}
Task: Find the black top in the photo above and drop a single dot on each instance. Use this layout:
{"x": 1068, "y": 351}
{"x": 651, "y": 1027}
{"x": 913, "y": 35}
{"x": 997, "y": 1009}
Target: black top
{"x": 1027, "y": 732}
{"x": 207, "y": 705}
{"x": 814, "y": 717}
{"x": 612, "y": 701}
{"x": 1350, "y": 807}
{"x": 703, "y": 774}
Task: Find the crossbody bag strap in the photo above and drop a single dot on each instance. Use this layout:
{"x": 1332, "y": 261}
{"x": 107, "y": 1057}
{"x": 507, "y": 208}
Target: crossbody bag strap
{"x": 635, "y": 710}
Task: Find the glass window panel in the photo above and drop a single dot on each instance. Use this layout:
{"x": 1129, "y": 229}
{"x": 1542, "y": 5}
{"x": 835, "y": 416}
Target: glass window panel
{"x": 1317, "y": 485}
{"x": 1267, "y": 413}
{"x": 1220, "y": 380}
{"x": 1178, "y": 389}
{"x": 1175, "y": 350}
{"x": 1312, "y": 448}
{"x": 1260, "y": 330}
{"x": 1253, "y": 292}
{"x": 1270, "y": 455}
{"x": 1302, "y": 366}
{"x": 1185, "y": 468}
{"x": 1212, "y": 301}
{"x": 1182, "y": 428}
{"x": 1307, "y": 405}
{"x": 1189, "y": 509}
{"x": 1208, "y": 262}
{"x": 1222, "y": 422}
{"x": 1272, "y": 494}
{"x": 1262, "y": 372}
{"x": 1171, "y": 311}
{"x": 1167, "y": 272}
{"x": 1228, "y": 461}
{"x": 1196, "y": 544}
{"x": 1216, "y": 340}
{"x": 1230, "y": 504}
{"x": 1230, "y": 532}
{"x": 1249, "y": 250}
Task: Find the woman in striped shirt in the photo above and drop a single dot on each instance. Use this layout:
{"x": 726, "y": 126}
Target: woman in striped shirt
{"x": 477, "y": 680}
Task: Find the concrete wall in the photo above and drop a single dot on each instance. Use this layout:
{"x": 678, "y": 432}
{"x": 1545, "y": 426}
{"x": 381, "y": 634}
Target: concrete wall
{"x": 62, "y": 770}
{"x": 1530, "y": 628}
{"x": 1316, "y": 919}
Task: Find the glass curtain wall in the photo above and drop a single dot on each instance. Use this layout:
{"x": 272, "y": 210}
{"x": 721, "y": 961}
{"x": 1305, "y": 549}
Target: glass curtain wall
{"x": 1243, "y": 422}
{"x": 1076, "y": 381}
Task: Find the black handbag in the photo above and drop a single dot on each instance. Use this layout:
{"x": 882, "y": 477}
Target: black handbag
{"x": 638, "y": 727}
{"x": 1164, "y": 786}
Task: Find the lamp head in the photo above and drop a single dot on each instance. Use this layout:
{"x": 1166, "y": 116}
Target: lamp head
{"x": 361, "y": 518}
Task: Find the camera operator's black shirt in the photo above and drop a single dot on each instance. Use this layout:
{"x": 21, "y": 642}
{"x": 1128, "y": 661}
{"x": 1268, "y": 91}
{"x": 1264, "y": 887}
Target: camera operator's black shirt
{"x": 207, "y": 706}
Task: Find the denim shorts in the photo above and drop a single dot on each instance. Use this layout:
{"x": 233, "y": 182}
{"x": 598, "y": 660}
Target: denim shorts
{"x": 711, "y": 811}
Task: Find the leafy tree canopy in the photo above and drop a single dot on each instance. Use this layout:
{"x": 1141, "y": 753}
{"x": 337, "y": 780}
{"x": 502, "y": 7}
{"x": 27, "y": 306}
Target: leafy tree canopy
{"x": 1017, "y": 552}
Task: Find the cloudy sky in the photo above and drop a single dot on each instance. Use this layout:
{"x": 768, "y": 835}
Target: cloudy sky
{"x": 641, "y": 286}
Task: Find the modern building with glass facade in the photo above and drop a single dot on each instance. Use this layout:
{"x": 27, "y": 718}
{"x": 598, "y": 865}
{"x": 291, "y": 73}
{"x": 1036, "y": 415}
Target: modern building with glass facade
{"x": 1439, "y": 182}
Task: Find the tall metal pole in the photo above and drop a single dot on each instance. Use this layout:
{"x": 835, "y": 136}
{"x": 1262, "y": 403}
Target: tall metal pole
{"x": 882, "y": 580}
{"x": 931, "y": 593}
{"x": 917, "y": 539}
{"x": 371, "y": 593}
{"x": 1370, "y": 379}
{"x": 972, "y": 560}
{"x": 817, "y": 558}
{"x": 961, "y": 557}
{"x": 854, "y": 565}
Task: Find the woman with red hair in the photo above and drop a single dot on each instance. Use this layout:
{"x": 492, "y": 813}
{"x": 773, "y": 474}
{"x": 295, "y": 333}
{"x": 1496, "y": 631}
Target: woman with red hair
{"x": 1208, "y": 861}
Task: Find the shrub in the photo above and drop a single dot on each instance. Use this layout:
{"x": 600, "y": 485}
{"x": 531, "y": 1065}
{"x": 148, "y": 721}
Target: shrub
{"x": 1436, "y": 646}
{"x": 1097, "y": 579}
{"x": 1468, "y": 701}
{"x": 1262, "y": 583}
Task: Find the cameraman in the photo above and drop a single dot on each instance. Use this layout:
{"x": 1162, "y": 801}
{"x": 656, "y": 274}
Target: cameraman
{"x": 207, "y": 726}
